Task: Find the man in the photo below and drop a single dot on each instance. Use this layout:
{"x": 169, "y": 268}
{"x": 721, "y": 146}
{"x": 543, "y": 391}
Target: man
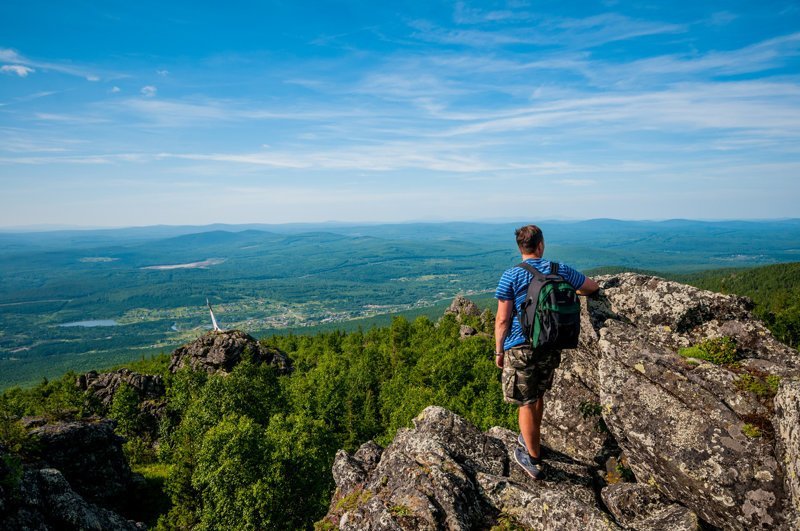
{"x": 528, "y": 374}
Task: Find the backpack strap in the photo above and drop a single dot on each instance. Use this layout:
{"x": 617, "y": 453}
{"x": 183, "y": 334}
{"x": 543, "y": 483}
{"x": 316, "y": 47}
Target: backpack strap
{"x": 532, "y": 270}
{"x": 554, "y": 268}
{"x": 537, "y": 282}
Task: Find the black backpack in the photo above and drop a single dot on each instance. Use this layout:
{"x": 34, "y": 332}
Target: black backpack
{"x": 551, "y": 313}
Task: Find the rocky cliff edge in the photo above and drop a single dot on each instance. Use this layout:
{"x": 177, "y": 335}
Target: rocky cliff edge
{"x": 640, "y": 433}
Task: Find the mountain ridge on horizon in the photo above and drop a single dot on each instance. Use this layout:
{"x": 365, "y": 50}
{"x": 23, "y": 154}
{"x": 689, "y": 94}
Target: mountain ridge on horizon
{"x": 48, "y": 229}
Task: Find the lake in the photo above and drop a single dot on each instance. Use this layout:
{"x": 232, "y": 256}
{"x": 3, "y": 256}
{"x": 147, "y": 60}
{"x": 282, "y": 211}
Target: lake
{"x": 90, "y": 324}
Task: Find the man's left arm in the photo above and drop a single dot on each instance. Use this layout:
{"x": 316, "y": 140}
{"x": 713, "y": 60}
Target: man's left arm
{"x": 588, "y": 287}
{"x": 583, "y": 285}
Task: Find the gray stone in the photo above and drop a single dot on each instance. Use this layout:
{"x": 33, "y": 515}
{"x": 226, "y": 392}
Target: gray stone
{"x": 89, "y": 454}
{"x": 463, "y": 307}
{"x": 222, "y": 351}
{"x": 642, "y": 507}
{"x": 466, "y": 331}
{"x": 45, "y": 501}
{"x": 682, "y": 438}
{"x": 104, "y": 385}
{"x": 787, "y": 429}
{"x": 445, "y": 474}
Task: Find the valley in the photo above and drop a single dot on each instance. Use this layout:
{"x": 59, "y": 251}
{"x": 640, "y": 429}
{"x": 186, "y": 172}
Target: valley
{"x": 76, "y": 300}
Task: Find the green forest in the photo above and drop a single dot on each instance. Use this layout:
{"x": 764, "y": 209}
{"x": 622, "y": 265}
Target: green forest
{"x": 254, "y": 449}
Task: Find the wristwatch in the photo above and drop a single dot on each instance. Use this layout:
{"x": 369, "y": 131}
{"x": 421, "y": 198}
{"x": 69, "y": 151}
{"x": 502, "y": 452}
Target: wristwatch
{"x": 501, "y": 353}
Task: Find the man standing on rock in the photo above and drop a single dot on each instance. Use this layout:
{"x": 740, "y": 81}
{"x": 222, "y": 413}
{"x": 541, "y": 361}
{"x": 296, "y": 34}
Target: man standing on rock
{"x": 528, "y": 374}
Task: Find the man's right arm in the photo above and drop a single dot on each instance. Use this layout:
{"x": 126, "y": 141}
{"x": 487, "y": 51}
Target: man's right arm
{"x": 502, "y": 322}
{"x": 588, "y": 287}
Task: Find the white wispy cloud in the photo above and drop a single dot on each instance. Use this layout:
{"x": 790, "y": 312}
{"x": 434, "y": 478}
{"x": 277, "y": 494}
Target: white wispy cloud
{"x": 162, "y": 73}
{"x": 148, "y": 91}
{"x": 760, "y": 107}
{"x": 79, "y": 119}
{"x": 575, "y": 33}
{"x": 757, "y": 57}
{"x": 115, "y": 90}
{"x": 9, "y": 55}
{"x": 20, "y": 70}
{"x": 465, "y": 14}
{"x": 12, "y": 56}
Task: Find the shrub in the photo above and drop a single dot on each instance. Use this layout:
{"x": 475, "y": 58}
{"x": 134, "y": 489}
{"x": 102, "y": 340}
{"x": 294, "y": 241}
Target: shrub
{"x": 717, "y": 350}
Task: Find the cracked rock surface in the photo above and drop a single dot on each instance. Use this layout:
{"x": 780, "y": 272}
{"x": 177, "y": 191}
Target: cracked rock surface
{"x": 704, "y": 445}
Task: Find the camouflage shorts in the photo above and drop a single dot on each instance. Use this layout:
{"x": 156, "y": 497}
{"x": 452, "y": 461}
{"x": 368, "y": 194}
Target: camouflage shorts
{"x": 528, "y": 374}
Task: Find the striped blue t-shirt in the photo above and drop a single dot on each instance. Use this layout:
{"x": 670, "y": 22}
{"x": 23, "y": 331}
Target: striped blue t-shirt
{"x": 514, "y": 286}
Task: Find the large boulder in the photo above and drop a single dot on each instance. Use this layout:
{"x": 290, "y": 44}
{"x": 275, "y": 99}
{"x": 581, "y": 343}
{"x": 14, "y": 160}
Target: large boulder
{"x": 697, "y": 432}
{"x": 222, "y": 351}
{"x": 43, "y": 500}
{"x": 104, "y": 385}
{"x": 445, "y": 474}
{"x": 683, "y": 438}
{"x": 89, "y": 455}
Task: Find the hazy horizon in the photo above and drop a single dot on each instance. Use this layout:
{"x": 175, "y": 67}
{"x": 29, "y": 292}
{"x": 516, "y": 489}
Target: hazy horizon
{"x": 48, "y": 228}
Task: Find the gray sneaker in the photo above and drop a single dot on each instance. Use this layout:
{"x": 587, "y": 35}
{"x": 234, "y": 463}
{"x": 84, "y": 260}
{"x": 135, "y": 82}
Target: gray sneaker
{"x": 534, "y": 470}
{"x": 521, "y": 441}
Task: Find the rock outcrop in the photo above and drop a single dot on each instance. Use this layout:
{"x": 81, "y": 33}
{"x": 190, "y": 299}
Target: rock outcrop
{"x": 89, "y": 455}
{"x": 445, "y": 474}
{"x": 787, "y": 428}
{"x": 104, "y": 385}
{"x": 74, "y": 475}
{"x": 462, "y": 307}
{"x": 706, "y": 444}
{"x": 42, "y": 499}
{"x": 222, "y": 351}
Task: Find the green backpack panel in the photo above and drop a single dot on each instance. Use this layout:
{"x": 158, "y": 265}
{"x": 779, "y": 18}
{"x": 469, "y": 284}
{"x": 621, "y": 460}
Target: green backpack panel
{"x": 550, "y": 316}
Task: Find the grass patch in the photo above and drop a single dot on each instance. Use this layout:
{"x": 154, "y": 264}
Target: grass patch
{"x": 353, "y": 500}
{"x": 763, "y": 387}
{"x": 151, "y": 501}
{"x": 758, "y": 426}
{"x": 153, "y": 471}
{"x": 325, "y": 525}
{"x": 751, "y": 431}
{"x": 717, "y": 350}
{"x": 400, "y": 510}
{"x": 506, "y": 522}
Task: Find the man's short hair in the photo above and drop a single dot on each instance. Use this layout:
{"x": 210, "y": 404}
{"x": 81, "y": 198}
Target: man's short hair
{"x": 528, "y": 238}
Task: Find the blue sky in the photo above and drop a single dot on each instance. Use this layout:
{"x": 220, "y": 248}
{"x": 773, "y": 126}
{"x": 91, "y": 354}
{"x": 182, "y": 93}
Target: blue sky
{"x": 139, "y": 113}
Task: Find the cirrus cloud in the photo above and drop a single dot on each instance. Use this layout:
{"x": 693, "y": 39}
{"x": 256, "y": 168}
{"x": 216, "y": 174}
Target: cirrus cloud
{"x": 20, "y": 70}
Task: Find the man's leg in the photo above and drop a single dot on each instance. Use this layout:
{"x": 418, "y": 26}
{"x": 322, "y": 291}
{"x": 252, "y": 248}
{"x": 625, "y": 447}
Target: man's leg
{"x": 530, "y": 422}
